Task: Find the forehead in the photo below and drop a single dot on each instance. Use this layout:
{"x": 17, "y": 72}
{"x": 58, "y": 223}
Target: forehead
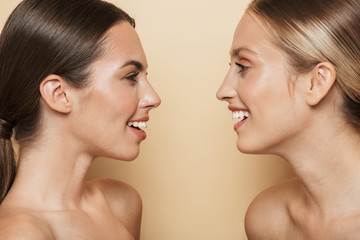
{"x": 250, "y": 34}
{"x": 122, "y": 44}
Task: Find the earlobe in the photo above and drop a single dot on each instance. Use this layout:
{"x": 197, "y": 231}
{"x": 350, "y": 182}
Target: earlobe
{"x": 53, "y": 91}
{"x": 323, "y": 77}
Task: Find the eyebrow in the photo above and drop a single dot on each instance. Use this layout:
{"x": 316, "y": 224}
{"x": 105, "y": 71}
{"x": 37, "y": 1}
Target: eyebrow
{"x": 135, "y": 63}
{"x": 235, "y": 52}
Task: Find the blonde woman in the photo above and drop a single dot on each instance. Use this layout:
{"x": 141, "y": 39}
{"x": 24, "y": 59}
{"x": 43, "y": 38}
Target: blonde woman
{"x": 73, "y": 86}
{"x": 294, "y": 89}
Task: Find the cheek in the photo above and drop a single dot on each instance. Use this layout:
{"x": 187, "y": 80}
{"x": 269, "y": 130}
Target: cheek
{"x": 267, "y": 88}
{"x": 270, "y": 104}
{"x": 126, "y": 102}
{"x": 115, "y": 106}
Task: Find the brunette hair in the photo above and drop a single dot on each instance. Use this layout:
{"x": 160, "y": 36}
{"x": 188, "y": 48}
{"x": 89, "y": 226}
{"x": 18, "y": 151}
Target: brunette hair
{"x": 43, "y": 37}
{"x": 315, "y": 31}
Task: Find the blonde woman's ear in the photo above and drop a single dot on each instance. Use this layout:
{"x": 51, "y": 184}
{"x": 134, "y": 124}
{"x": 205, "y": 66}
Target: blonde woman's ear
{"x": 54, "y": 92}
{"x": 323, "y": 77}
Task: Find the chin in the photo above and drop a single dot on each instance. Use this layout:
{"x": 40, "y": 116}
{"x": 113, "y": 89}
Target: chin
{"x": 257, "y": 147}
{"x": 124, "y": 155}
{"x": 129, "y": 156}
{"x": 249, "y": 148}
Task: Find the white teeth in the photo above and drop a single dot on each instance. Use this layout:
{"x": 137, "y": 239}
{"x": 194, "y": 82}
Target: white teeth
{"x": 240, "y": 115}
{"x": 137, "y": 124}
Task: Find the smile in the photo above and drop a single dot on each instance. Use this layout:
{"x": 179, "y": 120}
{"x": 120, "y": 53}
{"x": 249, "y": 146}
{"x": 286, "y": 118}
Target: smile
{"x": 240, "y": 115}
{"x": 138, "y": 125}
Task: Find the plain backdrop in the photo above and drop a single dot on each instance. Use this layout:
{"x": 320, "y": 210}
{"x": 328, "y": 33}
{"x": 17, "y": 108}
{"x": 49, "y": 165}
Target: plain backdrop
{"x": 194, "y": 183}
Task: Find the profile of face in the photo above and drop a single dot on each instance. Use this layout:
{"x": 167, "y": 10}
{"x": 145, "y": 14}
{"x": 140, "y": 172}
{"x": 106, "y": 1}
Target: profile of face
{"x": 267, "y": 105}
{"x": 112, "y": 112}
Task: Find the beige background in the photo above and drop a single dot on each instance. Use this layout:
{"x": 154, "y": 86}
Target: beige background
{"x": 194, "y": 183}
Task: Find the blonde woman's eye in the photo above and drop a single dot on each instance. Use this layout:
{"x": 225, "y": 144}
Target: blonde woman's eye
{"x": 242, "y": 67}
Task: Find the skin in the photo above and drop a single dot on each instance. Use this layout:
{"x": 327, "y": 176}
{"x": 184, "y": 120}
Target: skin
{"x": 76, "y": 126}
{"x": 298, "y": 117}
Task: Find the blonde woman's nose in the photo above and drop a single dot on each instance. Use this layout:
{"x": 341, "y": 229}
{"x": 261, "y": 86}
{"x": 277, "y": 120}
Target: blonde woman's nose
{"x": 226, "y": 91}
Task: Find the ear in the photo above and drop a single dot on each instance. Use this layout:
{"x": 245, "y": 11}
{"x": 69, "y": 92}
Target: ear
{"x": 53, "y": 90}
{"x": 323, "y": 77}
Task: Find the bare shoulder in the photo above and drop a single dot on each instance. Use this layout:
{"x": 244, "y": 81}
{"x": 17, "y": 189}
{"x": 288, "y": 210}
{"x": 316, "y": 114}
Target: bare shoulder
{"x": 22, "y": 226}
{"x": 118, "y": 193}
{"x": 124, "y": 201}
{"x": 268, "y": 213}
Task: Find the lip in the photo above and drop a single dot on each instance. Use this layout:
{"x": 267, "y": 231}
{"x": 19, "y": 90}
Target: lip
{"x": 138, "y": 132}
{"x": 143, "y": 119}
{"x": 239, "y": 124}
{"x": 235, "y": 109}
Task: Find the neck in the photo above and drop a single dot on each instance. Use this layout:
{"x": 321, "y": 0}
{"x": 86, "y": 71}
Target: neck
{"x": 51, "y": 175}
{"x": 328, "y": 166}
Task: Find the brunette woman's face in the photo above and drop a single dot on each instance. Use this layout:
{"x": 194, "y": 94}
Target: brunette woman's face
{"x": 114, "y": 109}
{"x": 261, "y": 97}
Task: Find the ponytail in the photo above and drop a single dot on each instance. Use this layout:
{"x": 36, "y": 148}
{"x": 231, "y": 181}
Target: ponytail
{"x": 7, "y": 159}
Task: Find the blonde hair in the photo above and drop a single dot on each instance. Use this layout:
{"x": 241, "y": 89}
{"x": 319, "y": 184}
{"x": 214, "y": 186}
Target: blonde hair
{"x": 315, "y": 31}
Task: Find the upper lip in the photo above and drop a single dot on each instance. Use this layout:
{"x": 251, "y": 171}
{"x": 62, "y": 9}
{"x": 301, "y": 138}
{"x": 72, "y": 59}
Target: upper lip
{"x": 143, "y": 119}
{"x": 234, "y": 108}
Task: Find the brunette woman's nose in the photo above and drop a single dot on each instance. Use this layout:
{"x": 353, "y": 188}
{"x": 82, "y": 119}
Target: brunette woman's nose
{"x": 150, "y": 98}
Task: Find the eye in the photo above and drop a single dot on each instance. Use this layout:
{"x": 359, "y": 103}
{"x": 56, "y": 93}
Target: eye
{"x": 242, "y": 67}
{"x": 132, "y": 77}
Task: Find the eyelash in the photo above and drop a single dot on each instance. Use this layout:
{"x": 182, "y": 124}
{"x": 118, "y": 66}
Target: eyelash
{"x": 133, "y": 76}
{"x": 242, "y": 67}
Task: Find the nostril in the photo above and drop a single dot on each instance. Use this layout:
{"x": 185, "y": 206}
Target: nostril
{"x": 222, "y": 97}
{"x": 225, "y": 93}
{"x": 150, "y": 102}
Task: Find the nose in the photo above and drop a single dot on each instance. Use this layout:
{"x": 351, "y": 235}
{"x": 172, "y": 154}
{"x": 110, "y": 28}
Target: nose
{"x": 227, "y": 89}
{"x": 149, "y": 99}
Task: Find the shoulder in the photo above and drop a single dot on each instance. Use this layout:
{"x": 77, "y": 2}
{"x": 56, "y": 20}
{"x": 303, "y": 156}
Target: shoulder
{"x": 268, "y": 212}
{"x": 123, "y": 200}
{"x": 22, "y": 226}
{"x": 118, "y": 193}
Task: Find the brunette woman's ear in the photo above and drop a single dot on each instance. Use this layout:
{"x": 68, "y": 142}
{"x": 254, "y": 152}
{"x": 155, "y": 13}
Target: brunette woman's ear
{"x": 54, "y": 90}
{"x": 323, "y": 77}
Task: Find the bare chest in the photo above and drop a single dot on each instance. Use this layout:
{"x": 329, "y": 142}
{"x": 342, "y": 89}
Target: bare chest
{"x": 76, "y": 226}
{"x": 344, "y": 229}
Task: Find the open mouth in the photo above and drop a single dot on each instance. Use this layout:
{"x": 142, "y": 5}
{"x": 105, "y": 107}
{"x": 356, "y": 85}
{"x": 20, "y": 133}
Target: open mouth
{"x": 241, "y": 115}
{"x": 137, "y": 125}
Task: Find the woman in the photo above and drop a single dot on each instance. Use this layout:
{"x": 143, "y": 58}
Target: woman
{"x": 73, "y": 86}
{"x": 294, "y": 88}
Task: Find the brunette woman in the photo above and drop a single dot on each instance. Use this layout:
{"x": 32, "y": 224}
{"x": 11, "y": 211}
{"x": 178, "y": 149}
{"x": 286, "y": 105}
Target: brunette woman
{"x": 73, "y": 86}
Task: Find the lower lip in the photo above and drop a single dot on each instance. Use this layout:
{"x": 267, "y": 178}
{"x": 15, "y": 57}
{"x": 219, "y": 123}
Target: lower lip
{"x": 139, "y": 133}
{"x": 239, "y": 124}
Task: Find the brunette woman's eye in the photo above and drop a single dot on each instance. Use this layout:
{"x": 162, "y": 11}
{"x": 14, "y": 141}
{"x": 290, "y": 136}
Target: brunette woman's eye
{"x": 132, "y": 77}
{"x": 242, "y": 67}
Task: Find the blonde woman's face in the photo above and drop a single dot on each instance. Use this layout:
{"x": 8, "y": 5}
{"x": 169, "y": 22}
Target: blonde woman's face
{"x": 266, "y": 108}
{"x": 115, "y": 108}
